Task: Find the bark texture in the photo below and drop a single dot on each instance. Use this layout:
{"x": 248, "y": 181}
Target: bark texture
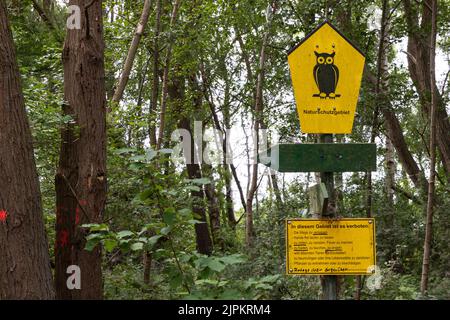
{"x": 25, "y": 271}
{"x": 81, "y": 176}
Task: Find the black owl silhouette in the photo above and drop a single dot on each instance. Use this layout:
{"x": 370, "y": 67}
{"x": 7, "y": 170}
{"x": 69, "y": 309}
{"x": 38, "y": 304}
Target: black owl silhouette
{"x": 326, "y": 75}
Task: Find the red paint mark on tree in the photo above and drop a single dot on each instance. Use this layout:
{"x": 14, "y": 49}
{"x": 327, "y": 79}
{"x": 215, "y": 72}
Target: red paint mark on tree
{"x": 63, "y": 238}
{"x": 3, "y": 216}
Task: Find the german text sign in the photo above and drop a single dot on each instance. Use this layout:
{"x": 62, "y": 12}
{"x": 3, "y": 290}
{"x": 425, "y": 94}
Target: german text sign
{"x": 326, "y": 71}
{"x": 330, "y": 247}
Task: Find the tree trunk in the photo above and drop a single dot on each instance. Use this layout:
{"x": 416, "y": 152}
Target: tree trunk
{"x": 132, "y": 52}
{"x": 203, "y": 238}
{"x": 155, "y": 87}
{"x": 204, "y": 242}
{"x": 25, "y": 271}
{"x": 390, "y": 180}
{"x": 227, "y": 159}
{"x": 213, "y": 207}
{"x": 258, "y": 115}
{"x": 165, "y": 80}
{"x": 395, "y": 134}
{"x": 81, "y": 177}
{"x": 207, "y": 171}
{"x": 431, "y": 182}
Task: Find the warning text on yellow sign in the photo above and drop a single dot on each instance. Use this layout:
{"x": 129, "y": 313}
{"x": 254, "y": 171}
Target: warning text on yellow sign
{"x": 330, "y": 247}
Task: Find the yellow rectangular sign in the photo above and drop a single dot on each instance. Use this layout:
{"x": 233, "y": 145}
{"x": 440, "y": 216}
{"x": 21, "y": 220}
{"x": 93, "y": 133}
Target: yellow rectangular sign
{"x": 330, "y": 247}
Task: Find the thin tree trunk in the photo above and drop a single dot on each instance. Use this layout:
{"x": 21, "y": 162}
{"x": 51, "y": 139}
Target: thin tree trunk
{"x": 139, "y": 135}
{"x": 155, "y": 86}
{"x": 81, "y": 176}
{"x": 147, "y": 261}
{"x": 390, "y": 180}
{"x": 165, "y": 80}
{"x": 258, "y": 114}
{"x": 226, "y": 157}
{"x": 128, "y": 65}
{"x": 239, "y": 186}
{"x": 24, "y": 258}
{"x": 431, "y": 183}
{"x": 213, "y": 206}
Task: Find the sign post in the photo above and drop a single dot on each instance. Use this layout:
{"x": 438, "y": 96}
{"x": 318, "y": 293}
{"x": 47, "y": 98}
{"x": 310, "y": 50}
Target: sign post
{"x": 326, "y": 71}
{"x": 329, "y": 283}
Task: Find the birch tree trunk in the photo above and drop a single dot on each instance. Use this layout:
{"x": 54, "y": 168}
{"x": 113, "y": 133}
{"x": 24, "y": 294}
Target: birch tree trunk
{"x": 128, "y": 65}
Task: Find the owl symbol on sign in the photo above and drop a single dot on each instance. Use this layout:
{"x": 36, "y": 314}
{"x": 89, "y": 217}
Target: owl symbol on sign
{"x": 326, "y": 75}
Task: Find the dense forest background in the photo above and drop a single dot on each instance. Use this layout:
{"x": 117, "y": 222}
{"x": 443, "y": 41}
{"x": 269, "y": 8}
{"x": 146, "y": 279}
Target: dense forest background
{"x": 103, "y": 101}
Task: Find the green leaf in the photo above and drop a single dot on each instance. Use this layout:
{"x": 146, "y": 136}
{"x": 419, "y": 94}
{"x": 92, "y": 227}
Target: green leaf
{"x": 137, "y": 246}
{"x": 185, "y": 211}
{"x": 169, "y": 216}
{"x": 233, "y": 259}
{"x": 91, "y": 244}
{"x": 144, "y": 195}
{"x": 136, "y": 166}
{"x": 216, "y": 265}
{"x": 176, "y": 280}
{"x": 201, "y": 181}
{"x": 153, "y": 240}
{"x": 166, "y": 230}
{"x": 124, "y": 150}
{"x": 193, "y": 221}
{"x": 166, "y": 151}
{"x": 110, "y": 244}
{"x": 150, "y": 154}
{"x": 125, "y": 233}
{"x": 93, "y": 236}
{"x": 193, "y": 188}
{"x": 264, "y": 286}
{"x": 96, "y": 227}
{"x": 138, "y": 158}
{"x": 271, "y": 278}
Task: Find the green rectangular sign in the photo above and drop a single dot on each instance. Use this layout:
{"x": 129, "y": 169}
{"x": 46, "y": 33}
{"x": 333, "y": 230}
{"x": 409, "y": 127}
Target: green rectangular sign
{"x": 321, "y": 157}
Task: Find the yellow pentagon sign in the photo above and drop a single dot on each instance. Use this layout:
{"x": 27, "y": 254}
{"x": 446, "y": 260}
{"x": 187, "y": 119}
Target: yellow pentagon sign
{"x": 326, "y": 71}
{"x": 330, "y": 247}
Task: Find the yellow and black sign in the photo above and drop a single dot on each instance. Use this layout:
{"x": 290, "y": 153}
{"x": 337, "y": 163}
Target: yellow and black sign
{"x": 326, "y": 71}
{"x": 330, "y": 247}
